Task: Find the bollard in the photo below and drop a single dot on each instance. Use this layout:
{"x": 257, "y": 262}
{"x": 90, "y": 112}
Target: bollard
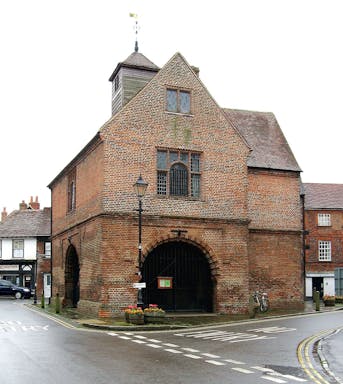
{"x": 252, "y": 307}
{"x": 42, "y": 303}
{"x": 317, "y": 300}
{"x": 58, "y": 303}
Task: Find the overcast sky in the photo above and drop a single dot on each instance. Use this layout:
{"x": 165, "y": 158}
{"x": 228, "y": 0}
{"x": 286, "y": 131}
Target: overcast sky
{"x": 280, "y": 56}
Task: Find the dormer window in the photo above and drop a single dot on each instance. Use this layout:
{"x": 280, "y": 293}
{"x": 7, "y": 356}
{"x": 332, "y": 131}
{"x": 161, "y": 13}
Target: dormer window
{"x": 178, "y": 101}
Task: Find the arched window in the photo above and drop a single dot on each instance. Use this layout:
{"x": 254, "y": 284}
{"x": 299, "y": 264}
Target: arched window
{"x": 178, "y": 182}
{"x": 178, "y": 173}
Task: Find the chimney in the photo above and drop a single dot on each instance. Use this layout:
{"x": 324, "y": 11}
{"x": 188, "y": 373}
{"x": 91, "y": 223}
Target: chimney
{"x": 23, "y": 206}
{"x": 34, "y": 204}
{"x": 3, "y": 214}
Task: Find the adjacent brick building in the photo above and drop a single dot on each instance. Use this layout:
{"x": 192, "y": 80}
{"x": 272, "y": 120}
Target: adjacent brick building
{"x": 25, "y": 248}
{"x": 222, "y": 213}
{"x": 324, "y": 238}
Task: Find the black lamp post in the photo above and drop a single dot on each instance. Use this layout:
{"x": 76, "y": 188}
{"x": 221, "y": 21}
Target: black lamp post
{"x": 140, "y": 188}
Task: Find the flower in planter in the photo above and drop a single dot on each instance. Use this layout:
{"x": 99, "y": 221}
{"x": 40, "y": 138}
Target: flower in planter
{"x": 133, "y": 310}
{"x": 134, "y": 315}
{"x": 154, "y": 314}
{"x": 153, "y": 309}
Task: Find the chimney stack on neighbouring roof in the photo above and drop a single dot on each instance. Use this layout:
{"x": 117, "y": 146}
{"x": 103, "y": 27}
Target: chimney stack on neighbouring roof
{"x": 34, "y": 204}
{"x": 3, "y": 214}
{"x": 22, "y": 205}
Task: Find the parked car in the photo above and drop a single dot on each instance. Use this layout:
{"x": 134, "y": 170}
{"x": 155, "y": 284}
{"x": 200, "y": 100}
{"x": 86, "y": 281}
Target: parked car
{"x": 9, "y": 289}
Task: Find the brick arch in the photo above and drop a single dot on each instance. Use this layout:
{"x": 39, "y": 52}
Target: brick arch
{"x": 207, "y": 251}
{"x": 192, "y": 267}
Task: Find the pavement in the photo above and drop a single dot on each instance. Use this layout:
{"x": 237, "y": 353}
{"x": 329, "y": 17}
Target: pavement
{"x": 211, "y": 319}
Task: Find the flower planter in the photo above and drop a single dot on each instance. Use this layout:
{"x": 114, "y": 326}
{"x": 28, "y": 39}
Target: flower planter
{"x": 329, "y": 303}
{"x": 154, "y": 318}
{"x": 137, "y": 319}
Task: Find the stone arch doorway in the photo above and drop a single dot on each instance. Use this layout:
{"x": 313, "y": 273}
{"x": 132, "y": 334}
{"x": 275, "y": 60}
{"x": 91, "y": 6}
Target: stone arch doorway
{"x": 71, "y": 278}
{"x": 191, "y": 281}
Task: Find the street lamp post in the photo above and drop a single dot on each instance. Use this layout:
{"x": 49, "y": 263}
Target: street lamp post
{"x": 140, "y": 188}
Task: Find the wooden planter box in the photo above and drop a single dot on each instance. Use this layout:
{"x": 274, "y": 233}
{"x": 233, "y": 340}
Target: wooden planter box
{"x": 329, "y": 303}
{"x": 154, "y": 318}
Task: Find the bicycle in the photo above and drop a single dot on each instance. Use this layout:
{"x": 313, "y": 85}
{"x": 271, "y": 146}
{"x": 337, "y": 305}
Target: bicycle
{"x": 261, "y": 300}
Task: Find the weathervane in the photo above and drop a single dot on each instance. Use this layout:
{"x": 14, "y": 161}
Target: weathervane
{"x": 135, "y": 16}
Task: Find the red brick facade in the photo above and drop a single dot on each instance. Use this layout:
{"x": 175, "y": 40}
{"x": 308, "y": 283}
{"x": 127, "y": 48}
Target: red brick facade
{"x": 327, "y": 200}
{"x": 247, "y": 223}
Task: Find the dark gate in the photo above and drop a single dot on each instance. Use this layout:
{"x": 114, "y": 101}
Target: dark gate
{"x": 192, "y": 287}
{"x": 71, "y": 278}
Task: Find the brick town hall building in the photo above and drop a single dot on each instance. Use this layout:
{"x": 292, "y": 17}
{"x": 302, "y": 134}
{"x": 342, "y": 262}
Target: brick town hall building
{"x": 222, "y": 214}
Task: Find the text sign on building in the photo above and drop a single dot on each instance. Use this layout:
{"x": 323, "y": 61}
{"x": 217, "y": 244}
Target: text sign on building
{"x": 164, "y": 282}
{"x": 9, "y": 267}
{"x": 139, "y": 285}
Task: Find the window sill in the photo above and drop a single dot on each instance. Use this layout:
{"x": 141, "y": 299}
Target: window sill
{"x": 182, "y": 198}
{"x": 179, "y": 114}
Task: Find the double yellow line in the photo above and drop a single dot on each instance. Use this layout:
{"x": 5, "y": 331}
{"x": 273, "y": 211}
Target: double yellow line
{"x": 53, "y": 318}
{"x": 304, "y": 356}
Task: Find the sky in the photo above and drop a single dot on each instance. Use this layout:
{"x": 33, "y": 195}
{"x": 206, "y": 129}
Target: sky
{"x": 280, "y": 56}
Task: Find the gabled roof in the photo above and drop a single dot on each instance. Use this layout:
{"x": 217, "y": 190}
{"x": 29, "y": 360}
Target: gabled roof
{"x": 26, "y": 223}
{"x": 323, "y": 196}
{"x": 135, "y": 60}
{"x": 263, "y": 134}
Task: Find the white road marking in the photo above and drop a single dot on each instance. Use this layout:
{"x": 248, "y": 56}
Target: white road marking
{"x": 193, "y": 356}
{"x": 272, "y": 330}
{"x": 190, "y": 350}
{"x": 275, "y": 373}
{"x": 234, "y": 361}
{"x": 210, "y": 355}
{"x": 214, "y": 362}
{"x": 270, "y": 378}
{"x": 263, "y": 369}
{"x": 270, "y": 373}
{"x": 154, "y": 345}
{"x": 173, "y": 350}
{"x": 242, "y": 370}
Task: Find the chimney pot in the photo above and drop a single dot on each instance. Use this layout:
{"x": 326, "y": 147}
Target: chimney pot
{"x": 3, "y": 214}
{"x": 34, "y": 204}
{"x": 22, "y": 205}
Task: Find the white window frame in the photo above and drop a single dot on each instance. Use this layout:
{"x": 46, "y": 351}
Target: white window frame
{"x": 47, "y": 249}
{"x": 324, "y": 250}
{"x": 324, "y": 220}
{"x": 18, "y": 253}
